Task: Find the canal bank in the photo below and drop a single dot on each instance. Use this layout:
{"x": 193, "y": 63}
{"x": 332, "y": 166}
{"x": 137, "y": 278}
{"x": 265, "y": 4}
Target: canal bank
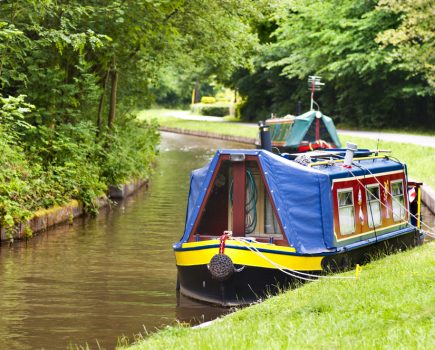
{"x": 389, "y": 306}
{"x": 46, "y": 218}
{"x": 427, "y": 193}
{"x": 199, "y": 133}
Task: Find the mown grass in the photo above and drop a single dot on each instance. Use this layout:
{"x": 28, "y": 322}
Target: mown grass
{"x": 390, "y": 306}
{"x": 227, "y": 127}
{"x": 420, "y": 160}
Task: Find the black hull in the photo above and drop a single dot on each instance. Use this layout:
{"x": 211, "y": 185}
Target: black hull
{"x": 252, "y": 284}
{"x": 347, "y": 260}
{"x": 242, "y": 288}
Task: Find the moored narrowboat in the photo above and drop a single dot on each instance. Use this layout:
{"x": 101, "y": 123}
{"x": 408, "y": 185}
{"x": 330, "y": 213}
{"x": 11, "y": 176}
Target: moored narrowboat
{"x": 307, "y": 132}
{"x": 257, "y": 221}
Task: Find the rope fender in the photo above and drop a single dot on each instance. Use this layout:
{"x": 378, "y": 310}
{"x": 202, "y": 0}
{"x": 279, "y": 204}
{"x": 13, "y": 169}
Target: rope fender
{"x": 221, "y": 266}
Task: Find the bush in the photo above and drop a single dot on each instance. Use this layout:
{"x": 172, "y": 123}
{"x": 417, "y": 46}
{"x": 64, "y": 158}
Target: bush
{"x": 208, "y": 99}
{"x": 133, "y": 147}
{"x": 219, "y": 109}
{"x": 44, "y": 166}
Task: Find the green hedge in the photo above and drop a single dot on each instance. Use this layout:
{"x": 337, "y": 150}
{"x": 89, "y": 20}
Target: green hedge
{"x": 43, "y": 166}
{"x": 208, "y": 99}
{"x": 219, "y": 109}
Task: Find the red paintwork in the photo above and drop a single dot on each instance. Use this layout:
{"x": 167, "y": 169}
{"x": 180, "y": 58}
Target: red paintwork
{"x": 320, "y": 144}
{"x": 215, "y": 215}
{"x": 206, "y": 198}
{"x": 280, "y": 242}
{"x": 239, "y": 196}
{"x": 317, "y": 129}
{"x": 361, "y": 227}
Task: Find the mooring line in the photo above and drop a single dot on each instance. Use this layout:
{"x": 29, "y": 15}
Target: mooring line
{"x": 430, "y": 233}
{"x": 286, "y": 270}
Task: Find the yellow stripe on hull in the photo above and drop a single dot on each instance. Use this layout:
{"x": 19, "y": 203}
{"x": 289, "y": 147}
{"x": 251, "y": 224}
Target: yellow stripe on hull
{"x": 202, "y": 255}
{"x": 239, "y": 244}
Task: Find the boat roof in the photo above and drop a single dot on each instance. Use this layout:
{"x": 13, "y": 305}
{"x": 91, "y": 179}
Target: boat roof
{"x": 301, "y": 194}
{"x": 365, "y": 162}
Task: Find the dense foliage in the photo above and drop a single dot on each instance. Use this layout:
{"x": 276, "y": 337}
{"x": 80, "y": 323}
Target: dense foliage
{"x": 70, "y": 73}
{"x": 376, "y": 57}
{"x": 65, "y": 162}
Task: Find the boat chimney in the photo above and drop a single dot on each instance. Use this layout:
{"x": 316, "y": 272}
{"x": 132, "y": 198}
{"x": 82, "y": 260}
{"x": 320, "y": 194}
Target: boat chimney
{"x": 351, "y": 148}
{"x": 265, "y": 141}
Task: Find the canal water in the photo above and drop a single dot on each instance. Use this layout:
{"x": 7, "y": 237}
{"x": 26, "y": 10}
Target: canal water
{"x": 109, "y": 276}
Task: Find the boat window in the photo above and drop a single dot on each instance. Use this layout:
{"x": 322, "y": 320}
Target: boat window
{"x": 346, "y": 211}
{"x": 373, "y": 206}
{"x": 279, "y": 132}
{"x": 271, "y": 225}
{"x": 398, "y": 200}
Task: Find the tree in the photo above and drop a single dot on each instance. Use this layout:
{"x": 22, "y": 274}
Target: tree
{"x": 345, "y": 43}
{"x": 74, "y": 56}
{"x": 412, "y": 41}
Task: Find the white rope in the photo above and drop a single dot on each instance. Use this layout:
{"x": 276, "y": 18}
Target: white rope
{"x": 286, "y": 270}
{"x": 429, "y": 232}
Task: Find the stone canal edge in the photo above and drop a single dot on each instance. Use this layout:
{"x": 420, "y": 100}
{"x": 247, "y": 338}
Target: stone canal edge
{"x": 46, "y": 218}
{"x": 427, "y": 193}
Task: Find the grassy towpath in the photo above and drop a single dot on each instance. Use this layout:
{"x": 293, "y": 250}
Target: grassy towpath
{"x": 390, "y": 306}
{"x": 214, "y": 125}
{"x": 420, "y": 160}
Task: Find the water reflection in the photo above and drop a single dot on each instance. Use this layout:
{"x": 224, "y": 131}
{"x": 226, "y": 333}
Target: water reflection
{"x": 104, "y": 277}
{"x": 193, "y": 312}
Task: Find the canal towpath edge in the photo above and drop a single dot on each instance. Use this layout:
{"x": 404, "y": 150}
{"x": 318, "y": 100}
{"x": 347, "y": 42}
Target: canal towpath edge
{"x": 46, "y": 218}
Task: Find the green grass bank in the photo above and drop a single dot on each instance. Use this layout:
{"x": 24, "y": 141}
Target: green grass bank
{"x": 229, "y": 127}
{"x": 390, "y": 306}
{"x": 420, "y": 160}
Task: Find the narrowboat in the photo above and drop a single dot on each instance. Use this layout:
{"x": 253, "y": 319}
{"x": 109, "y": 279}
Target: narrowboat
{"x": 258, "y": 221}
{"x": 306, "y": 132}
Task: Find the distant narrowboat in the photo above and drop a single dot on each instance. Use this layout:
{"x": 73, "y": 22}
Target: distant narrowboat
{"x": 257, "y": 221}
{"x": 307, "y": 132}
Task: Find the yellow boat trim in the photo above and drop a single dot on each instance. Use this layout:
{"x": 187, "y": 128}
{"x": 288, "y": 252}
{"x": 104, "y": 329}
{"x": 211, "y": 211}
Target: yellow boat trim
{"x": 249, "y": 258}
{"x": 380, "y": 231}
{"x": 257, "y": 245}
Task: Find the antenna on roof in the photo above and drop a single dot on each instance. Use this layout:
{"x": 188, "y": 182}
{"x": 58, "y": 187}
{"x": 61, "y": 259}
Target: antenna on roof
{"x": 314, "y": 84}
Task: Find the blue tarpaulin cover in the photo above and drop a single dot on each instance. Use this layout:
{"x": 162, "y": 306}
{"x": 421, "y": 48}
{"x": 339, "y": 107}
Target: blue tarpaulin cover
{"x": 302, "y": 196}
